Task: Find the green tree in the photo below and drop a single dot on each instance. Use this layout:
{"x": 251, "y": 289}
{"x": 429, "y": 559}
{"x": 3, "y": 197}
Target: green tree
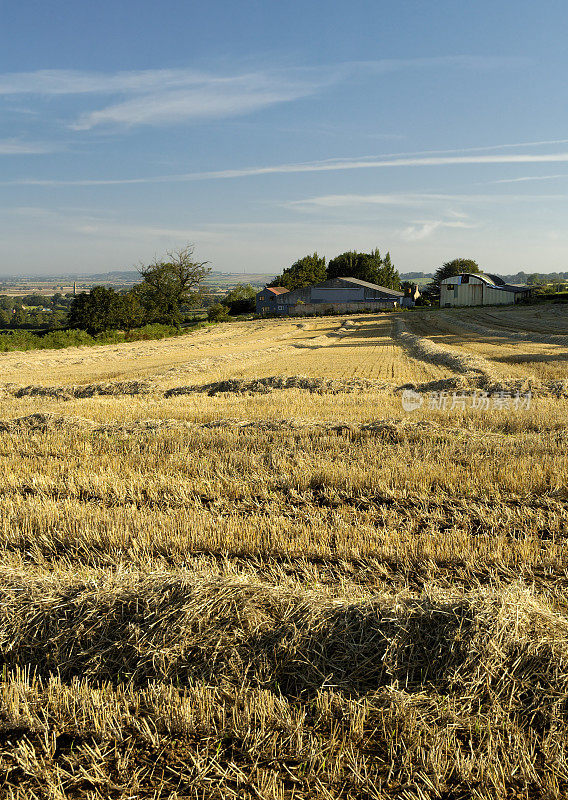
{"x": 35, "y": 300}
{"x": 18, "y": 317}
{"x": 57, "y": 319}
{"x": 94, "y": 311}
{"x": 241, "y": 299}
{"x": 129, "y": 311}
{"x": 388, "y": 275}
{"x": 168, "y": 285}
{"x": 104, "y": 309}
{"x": 452, "y": 268}
{"x": 366, "y": 267}
{"x": 304, "y": 272}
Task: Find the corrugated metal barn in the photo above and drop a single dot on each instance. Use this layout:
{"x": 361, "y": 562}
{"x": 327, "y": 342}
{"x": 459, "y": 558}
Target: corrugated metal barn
{"x": 472, "y": 289}
{"x": 347, "y": 295}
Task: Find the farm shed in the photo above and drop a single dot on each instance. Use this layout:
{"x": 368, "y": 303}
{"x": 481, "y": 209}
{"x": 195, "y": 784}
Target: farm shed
{"x": 337, "y": 294}
{"x": 472, "y": 289}
{"x": 267, "y": 301}
{"x": 411, "y": 295}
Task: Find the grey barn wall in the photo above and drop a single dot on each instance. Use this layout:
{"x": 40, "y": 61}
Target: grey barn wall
{"x": 337, "y": 294}
{"x": 307, "y": 309}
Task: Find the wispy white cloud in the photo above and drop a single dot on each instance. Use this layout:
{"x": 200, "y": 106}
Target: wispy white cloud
{"x": 166, "y": 96}
{"x": 342, "y": 201}
{"x": 331, "y": 201}
{"x": 62, "y": 82}
{"x": 370, "y": 163}
{"x": 97, "y": 222}
{"x": 68, "y": 82}
{"x": 307, "y": 167}
{"x": 506, "y": 146}
{"x": 209, "y": 101}
{"x": 16, "y": 147}
{"x": 170, "y": 95}
{"x": 526, "y": 178}
{"x": 424, "y": 229}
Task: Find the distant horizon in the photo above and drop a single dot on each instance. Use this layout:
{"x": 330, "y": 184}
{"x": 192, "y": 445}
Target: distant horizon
{"x": 42, "y": 277}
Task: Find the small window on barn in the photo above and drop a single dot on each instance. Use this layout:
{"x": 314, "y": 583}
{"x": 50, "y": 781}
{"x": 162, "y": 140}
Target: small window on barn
{"x": 465, "y": 278}
{"x": 450, "y": 287}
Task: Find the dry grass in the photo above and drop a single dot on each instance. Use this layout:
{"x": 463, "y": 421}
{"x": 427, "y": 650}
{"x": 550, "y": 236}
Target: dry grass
{"x": 233, "y": 567}
{"x": 521, "y": 342}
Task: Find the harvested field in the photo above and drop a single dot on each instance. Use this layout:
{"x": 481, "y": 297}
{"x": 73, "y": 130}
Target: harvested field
{"x": 234, "y": 567}
{"x": 520, "y": 342}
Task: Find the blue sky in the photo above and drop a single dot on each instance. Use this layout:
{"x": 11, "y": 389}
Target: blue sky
{"x": 262, "y": 131}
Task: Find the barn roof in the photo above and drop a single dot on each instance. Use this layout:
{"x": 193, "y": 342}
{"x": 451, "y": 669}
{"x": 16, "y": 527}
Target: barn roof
{"x": 275, "y": 289}
{"x": 374, "y": 286}
{"x": 490, "y": 280}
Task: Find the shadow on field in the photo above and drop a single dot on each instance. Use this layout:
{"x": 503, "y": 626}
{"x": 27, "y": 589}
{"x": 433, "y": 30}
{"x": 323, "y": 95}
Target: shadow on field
{"x": 227, "y": 632}
{"x": 523, "y": 358}
{"x": 359, "y": 649}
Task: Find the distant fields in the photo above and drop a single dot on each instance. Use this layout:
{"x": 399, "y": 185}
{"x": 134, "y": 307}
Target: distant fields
{"x": 234, "y": 567}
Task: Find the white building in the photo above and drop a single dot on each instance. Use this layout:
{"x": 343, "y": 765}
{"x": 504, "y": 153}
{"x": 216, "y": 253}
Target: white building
{"x": 472, "y": 289}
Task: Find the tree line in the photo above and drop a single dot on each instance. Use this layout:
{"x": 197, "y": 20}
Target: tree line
{"x": 172, "y": 286}
{"x": 168, "y": 287}
{"x": 311, "y": 269}
{"x": 34, "y": 311}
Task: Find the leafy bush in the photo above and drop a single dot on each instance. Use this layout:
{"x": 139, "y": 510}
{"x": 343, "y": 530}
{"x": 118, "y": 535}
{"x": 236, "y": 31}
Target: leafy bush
{"x": 55, "y": 340}
{"x": 217, "y": 313}
{"x": 241, "y": 299}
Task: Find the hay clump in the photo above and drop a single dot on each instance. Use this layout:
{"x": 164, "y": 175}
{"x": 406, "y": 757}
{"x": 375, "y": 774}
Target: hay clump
{"x": 280, "y": 382}
{"x": 118, "y": 388}
{"x": 503, "y": 652}
{"x": 42, "y": 422}
{"x": 433, "y": 353}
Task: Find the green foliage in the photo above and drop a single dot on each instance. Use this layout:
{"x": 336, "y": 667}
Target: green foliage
{"x": 304, "y": 272}
{"x": 55, "y": 340}
{"x": 166, "y": 287}
{"x": 388, "y": 275}
{"x": 104, "y": 309}
{"x": 26, "y": 340}
{"x": 217, "y": 313}
{"x": 241, "y": 299}
{"x": 366, "y": 267}
{"x": 18, "y": 316}
{"x": 169, "y": 285}
{"x": 35, "y": 300}
{"x": 452, "y": 268}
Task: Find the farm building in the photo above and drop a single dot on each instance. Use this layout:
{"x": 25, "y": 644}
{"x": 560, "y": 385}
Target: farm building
{"x": 267, "y": 301}
{"x": 411, "y": 295}
{"x": 471, "y": 289}
{"x": 344, "y": 295}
